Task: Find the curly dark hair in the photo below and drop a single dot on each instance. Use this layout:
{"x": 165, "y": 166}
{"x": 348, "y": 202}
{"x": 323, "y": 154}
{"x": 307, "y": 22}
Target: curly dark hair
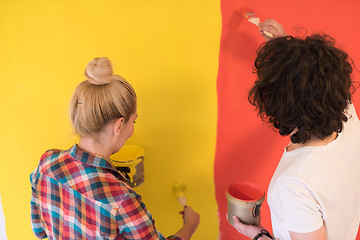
{"x": 303, "y": 85}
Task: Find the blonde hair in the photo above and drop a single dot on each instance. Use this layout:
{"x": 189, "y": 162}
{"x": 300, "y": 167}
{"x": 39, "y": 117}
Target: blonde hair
{"x": 101, "y": 98}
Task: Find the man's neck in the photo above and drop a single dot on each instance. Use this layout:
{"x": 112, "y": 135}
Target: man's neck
{"x": 313, "y": 141}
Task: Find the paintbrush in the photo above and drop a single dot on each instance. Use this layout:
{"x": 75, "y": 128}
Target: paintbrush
{"x": 251, "y": 17}
{"x": 179, "y": 191}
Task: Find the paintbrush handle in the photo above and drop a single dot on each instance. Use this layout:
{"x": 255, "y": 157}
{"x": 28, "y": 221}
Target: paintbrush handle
{"x": 182, "y": 201}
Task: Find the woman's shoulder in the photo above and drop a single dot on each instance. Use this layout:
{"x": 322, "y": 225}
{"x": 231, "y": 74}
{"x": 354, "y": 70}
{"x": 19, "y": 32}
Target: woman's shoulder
{"x": 51, "y": 153}
{"x": 50, "y": 156}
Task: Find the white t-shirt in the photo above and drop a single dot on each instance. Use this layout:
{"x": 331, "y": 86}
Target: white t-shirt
{"x": 2, "y": 223}
{"x": 318, "y": 185}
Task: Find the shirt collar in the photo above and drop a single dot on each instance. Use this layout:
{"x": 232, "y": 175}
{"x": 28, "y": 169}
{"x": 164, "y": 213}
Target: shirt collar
{"x": 92, "y": 159}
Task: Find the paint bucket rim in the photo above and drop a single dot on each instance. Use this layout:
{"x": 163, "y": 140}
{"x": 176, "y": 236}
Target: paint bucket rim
{"x": 119, "y": 158}
{"x": 257, "y": 200}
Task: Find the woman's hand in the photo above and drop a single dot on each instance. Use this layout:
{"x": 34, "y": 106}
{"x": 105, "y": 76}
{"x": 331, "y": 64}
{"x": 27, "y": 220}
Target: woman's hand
{"x": 191, "y": 222}
{"x": 190, "y": 217}
{"x": 248, "y": 230}
{"x": 273, "y": 27}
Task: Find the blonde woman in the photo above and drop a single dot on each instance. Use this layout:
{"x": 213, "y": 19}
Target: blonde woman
{"x": 77, "y": 193}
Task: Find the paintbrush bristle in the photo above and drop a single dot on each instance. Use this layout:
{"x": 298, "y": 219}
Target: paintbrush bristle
{"x": 251, "y": 17}
{"x": 179, "y": 189}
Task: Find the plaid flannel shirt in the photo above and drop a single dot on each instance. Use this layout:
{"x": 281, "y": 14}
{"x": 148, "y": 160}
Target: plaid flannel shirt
{"x": 77, "y": 195}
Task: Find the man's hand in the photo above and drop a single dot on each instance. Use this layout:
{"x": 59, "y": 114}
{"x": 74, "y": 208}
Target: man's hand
{"x": 248, "y": 230}
{"x": 273, "y": 27}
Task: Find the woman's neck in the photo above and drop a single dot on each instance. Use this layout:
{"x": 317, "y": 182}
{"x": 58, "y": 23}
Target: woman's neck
{"x": 94, "y": 146}
{"x": 313, "y": 141}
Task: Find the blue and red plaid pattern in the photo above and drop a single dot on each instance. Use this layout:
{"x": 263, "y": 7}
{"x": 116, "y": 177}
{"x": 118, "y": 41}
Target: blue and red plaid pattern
{"x": 77, "y": 195}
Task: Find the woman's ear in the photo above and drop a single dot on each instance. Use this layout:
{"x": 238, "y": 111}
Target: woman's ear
{"x": 119, "y": 125}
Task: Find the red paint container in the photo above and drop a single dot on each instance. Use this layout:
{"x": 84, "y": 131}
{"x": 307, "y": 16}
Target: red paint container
{"x": 244, "y": 201}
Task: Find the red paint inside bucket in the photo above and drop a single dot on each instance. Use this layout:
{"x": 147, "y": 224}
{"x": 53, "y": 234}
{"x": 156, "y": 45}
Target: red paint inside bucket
{"x": 245, "y": 191}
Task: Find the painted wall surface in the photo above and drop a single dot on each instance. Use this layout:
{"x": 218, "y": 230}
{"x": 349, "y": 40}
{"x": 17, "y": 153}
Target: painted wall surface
{"x": 247, "y": 149}
{"x": 168, "y": 50}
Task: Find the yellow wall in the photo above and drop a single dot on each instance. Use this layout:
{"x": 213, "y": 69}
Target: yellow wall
{"x": 168, "y": 50}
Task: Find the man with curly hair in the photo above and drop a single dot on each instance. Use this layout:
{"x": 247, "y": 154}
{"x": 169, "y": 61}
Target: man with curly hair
{"x": 303, "y": 89}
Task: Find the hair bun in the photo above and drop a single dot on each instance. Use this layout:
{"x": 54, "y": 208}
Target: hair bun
{"x": 99, "y": 71}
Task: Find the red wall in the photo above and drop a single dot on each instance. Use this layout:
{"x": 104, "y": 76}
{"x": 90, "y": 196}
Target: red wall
{"x": 247, "y": 149}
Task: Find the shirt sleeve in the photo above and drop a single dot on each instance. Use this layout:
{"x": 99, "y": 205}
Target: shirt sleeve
{"x": 36, "y": 223}
{"x": 298, "y": 205}
{"x": 136, "y": 222}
